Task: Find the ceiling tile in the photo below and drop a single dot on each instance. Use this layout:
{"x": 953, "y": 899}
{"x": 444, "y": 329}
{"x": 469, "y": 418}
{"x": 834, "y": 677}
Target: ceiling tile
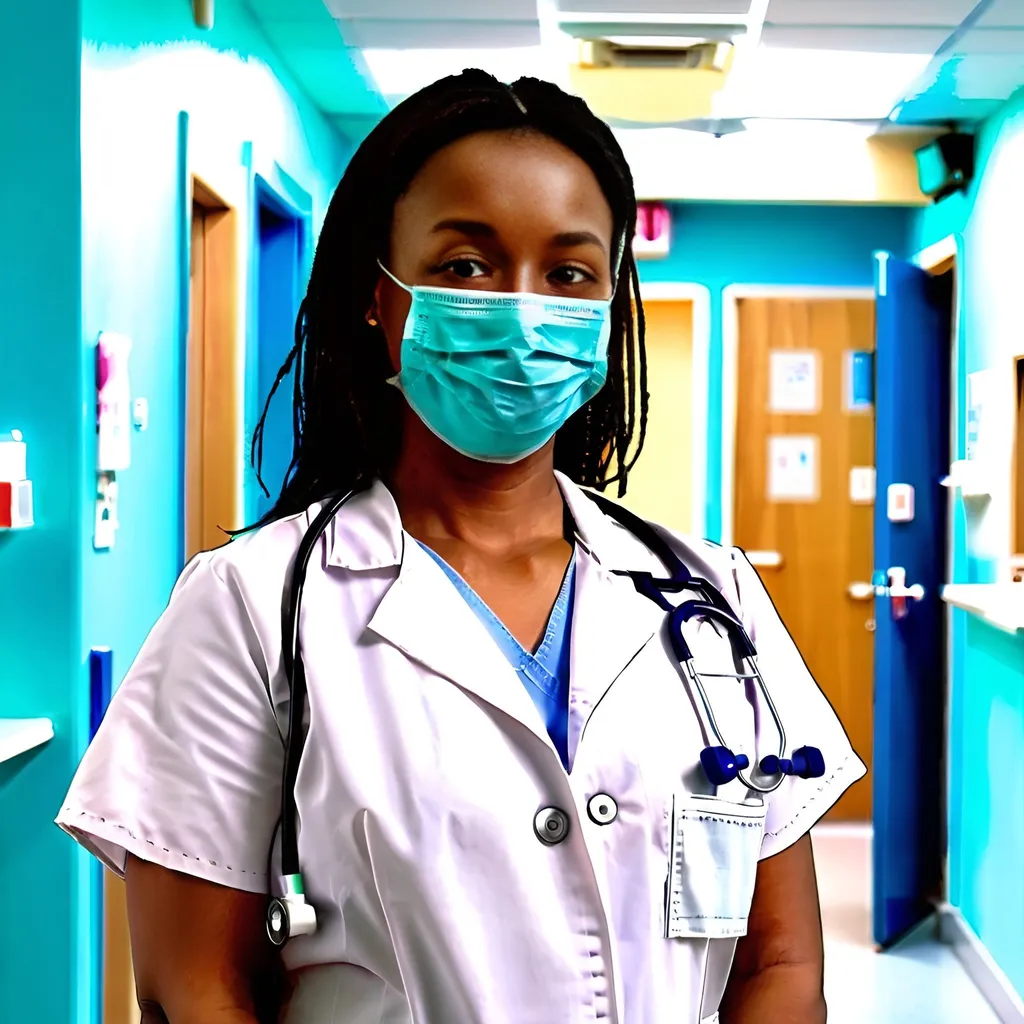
{"x": 1003, "y": 14}
{"x": 865, "y": 39}
{"x": 678, "y": 7}
{"x": 909, "y": 13}
{"x": 428, "y": 10}
{"x": 370, "y": 34}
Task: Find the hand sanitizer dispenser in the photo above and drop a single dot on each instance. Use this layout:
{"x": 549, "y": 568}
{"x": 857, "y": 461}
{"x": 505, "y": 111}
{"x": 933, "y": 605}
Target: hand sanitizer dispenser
{"x": 15, "y": 487}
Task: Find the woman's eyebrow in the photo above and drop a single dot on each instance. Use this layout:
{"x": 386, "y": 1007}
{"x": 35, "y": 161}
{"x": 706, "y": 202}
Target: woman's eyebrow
{"x": 570, "y": 238}
{"x": 472, "y": 228}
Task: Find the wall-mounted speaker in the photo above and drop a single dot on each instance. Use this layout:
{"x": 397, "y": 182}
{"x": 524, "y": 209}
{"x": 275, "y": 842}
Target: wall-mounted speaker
{"x": 945, "y": 165}
{"x": 202, "y": 13}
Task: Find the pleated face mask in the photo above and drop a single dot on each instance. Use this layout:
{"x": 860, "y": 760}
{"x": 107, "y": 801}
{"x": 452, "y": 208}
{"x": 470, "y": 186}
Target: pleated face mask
{"x": 495, "y": 374}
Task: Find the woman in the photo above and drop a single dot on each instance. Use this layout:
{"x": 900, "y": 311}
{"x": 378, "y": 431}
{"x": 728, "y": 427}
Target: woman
{"x": 502, "y": 811}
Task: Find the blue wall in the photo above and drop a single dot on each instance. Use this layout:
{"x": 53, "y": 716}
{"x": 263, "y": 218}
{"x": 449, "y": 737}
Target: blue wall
{"x": 722, "y": 244}
{"x": 91, "y": 214}
{"x": 986, "y": 730}
{"x": 40, "y": 370}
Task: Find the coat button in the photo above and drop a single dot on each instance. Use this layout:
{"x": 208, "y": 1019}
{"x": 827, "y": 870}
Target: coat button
{"x": 551, "y": 825}
{"x": 603, "y": 810}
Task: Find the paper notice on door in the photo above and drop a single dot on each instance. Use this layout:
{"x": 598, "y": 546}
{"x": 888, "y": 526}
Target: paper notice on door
{"x": 793, "y": 382}
{"x": 793, "y": 468}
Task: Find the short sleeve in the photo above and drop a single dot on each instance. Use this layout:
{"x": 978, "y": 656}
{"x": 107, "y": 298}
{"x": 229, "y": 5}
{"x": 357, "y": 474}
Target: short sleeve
{"x": 805, "y": 713}
{"x": 185, "y": 770}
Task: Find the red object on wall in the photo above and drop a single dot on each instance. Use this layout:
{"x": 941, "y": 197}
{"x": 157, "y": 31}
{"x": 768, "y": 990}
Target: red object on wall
{"x": 653, "y": 230}
{"x": 6, "y": 505}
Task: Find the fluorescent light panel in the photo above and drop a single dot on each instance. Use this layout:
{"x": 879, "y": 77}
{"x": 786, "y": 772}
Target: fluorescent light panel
{"x": 823, "y": 84}
{"x": 402, "y": 72}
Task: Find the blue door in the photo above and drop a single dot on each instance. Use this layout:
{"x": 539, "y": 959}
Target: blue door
{"x": 279, "y": 282}
{"x": 912, "y": 452}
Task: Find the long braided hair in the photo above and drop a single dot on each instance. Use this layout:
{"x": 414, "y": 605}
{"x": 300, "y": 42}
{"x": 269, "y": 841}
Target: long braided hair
{"x": 347, "y": 421}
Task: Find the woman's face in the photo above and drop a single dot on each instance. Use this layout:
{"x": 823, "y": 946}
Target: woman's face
{"x": 500, "y": 212}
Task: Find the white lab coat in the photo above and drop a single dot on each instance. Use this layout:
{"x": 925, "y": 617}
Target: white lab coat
{"x": 425, "y": 766}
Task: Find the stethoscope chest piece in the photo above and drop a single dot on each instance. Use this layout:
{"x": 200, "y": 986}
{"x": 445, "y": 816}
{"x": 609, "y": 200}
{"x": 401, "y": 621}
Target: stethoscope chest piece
{"x": 289, "y": 916}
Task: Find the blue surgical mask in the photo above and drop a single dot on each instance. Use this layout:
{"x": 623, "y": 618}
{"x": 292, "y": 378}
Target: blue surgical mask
{"x": 495, "y": 374}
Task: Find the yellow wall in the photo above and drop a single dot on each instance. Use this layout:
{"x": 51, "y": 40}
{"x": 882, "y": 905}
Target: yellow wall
{"x": 661, "y": 483}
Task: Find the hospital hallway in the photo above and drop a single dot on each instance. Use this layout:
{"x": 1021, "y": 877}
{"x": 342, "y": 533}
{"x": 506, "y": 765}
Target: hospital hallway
{"x": 920, "y": 979}
{"x": 752, "y": 269}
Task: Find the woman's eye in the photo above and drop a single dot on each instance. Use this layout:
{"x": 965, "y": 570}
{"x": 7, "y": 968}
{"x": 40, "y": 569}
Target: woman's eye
{"x": 568, "y": 275}
{"x": 465, "y": 268}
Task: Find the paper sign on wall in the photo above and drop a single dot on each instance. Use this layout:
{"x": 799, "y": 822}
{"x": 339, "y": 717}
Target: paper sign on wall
{"x": 793, "y": 468}
{"x": 793, "y": 381}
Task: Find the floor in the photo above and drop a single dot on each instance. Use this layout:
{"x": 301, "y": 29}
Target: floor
{"x": 919, "y": 980}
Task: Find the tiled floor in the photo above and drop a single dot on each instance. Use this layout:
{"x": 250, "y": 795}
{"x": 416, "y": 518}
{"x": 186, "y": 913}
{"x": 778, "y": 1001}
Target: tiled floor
{"x": 919, "y": 980}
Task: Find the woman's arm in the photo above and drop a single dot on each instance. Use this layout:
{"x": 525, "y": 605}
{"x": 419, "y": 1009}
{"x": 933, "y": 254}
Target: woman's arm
{"x": 200, "y": 950}
{"x": 778, "y": 973}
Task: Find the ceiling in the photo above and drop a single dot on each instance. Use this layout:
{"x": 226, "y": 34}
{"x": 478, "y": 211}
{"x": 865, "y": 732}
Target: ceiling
{"x": 914, "y": 62}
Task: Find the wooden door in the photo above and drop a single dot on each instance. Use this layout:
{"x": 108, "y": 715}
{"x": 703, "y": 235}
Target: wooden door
{"x": 213, "y": 435}
{"x": 824, "y": 539}
{"x": 661, "y": 483}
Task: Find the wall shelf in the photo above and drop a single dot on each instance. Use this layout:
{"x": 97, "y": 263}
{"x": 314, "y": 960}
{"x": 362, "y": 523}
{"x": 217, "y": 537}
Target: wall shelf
{"x": 18, "y": 735}
{"x": 1000, "y": 604}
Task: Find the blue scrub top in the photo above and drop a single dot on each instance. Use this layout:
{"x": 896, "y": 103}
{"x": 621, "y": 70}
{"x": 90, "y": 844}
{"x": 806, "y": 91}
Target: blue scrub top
{"x": 545, "y": 673}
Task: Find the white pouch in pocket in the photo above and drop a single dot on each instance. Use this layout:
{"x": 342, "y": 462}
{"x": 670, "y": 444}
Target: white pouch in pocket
{"x": 713, "y": 854}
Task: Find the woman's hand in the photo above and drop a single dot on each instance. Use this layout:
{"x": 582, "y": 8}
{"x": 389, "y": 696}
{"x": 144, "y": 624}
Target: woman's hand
{"x": 200, "y": 950}
{"x": 778, "y": 973}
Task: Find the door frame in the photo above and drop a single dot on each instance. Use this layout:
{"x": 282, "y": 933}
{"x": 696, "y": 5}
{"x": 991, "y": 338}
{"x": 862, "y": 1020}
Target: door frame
{"x": 943, "y": 255}
{"x": 699, "y": 296}
{"x": 731, "y": 296}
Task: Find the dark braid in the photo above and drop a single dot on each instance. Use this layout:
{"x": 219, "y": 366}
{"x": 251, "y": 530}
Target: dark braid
{"x": 347, "y": 420}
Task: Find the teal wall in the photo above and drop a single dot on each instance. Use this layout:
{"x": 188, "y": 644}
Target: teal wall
{"x": 90, "y": 208}
{"x": 718, "y": 245}
{"x": 986, "y": 792}
{"x": 40, "y": 372}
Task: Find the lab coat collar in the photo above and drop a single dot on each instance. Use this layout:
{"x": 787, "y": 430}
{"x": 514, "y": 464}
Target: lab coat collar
{"x": 367, "y": 532}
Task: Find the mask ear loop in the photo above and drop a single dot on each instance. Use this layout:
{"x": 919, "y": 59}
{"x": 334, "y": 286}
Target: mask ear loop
{"x": 404, "y": 287}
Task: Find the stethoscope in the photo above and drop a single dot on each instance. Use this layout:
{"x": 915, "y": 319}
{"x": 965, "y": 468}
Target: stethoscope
{"x": 290, "y": 914}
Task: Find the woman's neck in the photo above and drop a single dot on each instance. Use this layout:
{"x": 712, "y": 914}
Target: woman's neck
{"x": 501, "y": 509}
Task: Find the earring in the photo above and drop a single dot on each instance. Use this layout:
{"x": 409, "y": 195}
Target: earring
{"x": 372, "y": 320}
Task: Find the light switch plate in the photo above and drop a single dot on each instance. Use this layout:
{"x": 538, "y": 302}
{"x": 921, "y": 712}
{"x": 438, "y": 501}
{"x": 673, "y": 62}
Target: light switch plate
{"x": 900, "y": 503}
{"x": 862, "y": 485}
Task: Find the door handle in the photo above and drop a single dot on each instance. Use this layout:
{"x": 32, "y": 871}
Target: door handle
{"x": 765, "y": 559}
{"x": 898, "y": 586}
{"x": 861, "y": 591}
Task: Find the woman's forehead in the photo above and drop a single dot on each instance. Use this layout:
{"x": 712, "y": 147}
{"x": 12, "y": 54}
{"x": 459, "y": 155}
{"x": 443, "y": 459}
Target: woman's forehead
{"x": 506, "y": 178}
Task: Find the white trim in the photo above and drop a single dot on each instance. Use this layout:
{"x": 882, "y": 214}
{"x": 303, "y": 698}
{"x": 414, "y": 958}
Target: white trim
{"x": 18, "y": 735}
{"x": 936, "y": 254}
{"x": 930, "y": 258}
{"x": 980, "y": 965}
{"x": 730, "y": 371}
{"x": 700, "y": 296}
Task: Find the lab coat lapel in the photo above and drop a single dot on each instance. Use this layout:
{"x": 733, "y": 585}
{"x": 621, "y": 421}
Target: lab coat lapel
{"x": 424, "y": 616}
{"x": 611, "y": 624}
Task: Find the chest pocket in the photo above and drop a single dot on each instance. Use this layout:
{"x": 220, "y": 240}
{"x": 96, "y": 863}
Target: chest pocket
{"x": 714, "y": 846}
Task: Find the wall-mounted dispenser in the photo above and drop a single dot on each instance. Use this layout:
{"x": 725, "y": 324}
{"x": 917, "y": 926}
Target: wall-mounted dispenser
{"x": 15, "y": 487}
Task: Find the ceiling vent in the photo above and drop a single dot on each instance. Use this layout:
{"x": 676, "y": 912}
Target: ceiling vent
{"x": 641, "y": 53}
